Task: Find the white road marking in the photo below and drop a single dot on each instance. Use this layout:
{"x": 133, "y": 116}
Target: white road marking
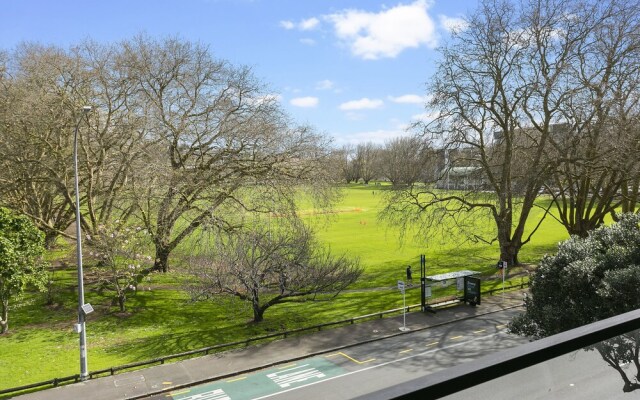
{"x": 217, "y": 394}
{"x": 285, "y": 378}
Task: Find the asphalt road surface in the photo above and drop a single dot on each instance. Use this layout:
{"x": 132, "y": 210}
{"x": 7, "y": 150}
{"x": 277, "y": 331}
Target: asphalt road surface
{"x": 580, "y": 375}
{"x": 363, "y": 369}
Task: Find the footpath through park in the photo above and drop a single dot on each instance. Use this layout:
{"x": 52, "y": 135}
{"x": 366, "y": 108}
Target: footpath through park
{"x": 164, "y": 378}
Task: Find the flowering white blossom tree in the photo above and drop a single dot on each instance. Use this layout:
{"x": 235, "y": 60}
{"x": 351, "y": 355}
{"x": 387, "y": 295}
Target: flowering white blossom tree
{"x": 265, "y": 267}
{"x": 121, "y": 261}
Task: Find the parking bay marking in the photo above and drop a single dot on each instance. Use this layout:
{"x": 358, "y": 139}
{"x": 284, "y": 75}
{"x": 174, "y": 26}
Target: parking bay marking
{"x": 237, "y": 379}
{"x": 350, "y": 358}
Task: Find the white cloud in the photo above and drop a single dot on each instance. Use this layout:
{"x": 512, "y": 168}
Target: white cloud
{"x": 325, "y": 85}
{"x": 362, "y": 104}
{"x": 305, "y": 102}
{"x": 372, "y": 35}
{"x": 309, "y": 24}
{"x": 308, "y": 41}
{"x": 408, "y": 99}
{"x": 452, "y": 24}
{"x": 287, "y": 25}
{"x": 354, "y": 116}
{"x": 304, "y": 25}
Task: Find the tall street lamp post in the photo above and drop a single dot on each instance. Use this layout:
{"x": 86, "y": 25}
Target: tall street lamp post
{"x": 83, "y": 309}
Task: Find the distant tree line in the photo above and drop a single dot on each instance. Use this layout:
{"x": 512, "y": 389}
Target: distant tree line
{"x": 401, "y": 161}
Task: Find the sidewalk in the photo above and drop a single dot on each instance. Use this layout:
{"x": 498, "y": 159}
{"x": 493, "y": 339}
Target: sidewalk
{"x": 139, "y": 384}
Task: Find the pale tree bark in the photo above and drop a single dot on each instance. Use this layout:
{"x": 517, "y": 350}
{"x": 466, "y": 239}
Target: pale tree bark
{"x": 4, "y": 320}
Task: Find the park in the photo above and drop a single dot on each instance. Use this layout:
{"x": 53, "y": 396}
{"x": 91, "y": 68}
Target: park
{"x": 162, "y": 319}
{"x": 158, "y": 196}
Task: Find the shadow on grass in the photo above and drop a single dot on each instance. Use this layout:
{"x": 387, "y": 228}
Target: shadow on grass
{"x": 199, "y": 326}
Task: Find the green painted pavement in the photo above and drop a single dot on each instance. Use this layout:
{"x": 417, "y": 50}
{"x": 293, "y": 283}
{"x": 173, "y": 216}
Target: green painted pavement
{"x": 263, "y": 383}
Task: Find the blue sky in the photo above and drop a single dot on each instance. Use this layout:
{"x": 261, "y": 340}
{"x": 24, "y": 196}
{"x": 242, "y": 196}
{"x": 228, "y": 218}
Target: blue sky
{"x": 354, "y": 69}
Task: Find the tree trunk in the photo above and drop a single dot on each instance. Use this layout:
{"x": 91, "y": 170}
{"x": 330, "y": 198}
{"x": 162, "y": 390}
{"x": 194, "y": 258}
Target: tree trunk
{"x": 4, "y": 321}
{"x": 122, "y": 298}
{"x": 258, "y": 312}
{"x": 509, "y": 253}
{"x": 50, "y": 238}
{"x": 162, "y": 258}
{"x": 509, "y": 246}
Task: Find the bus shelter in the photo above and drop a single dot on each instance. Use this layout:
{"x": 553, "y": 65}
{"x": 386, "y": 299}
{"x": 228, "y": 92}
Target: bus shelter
{"x": 466, "y": 281}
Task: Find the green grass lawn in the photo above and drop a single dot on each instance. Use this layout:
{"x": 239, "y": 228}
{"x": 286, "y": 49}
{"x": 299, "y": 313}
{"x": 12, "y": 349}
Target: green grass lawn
{"x": 162, "y": 320}
{"x": 356, "y": 230}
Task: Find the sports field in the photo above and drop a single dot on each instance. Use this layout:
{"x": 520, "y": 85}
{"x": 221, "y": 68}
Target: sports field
{"x": 355, "y": 229}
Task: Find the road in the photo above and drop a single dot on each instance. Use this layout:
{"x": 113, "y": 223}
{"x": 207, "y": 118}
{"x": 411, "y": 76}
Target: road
{"x": 366, "y": 368}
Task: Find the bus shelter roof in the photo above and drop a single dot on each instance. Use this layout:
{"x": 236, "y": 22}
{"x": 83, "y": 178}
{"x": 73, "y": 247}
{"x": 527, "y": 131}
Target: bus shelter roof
{"x": 452, "y": 275}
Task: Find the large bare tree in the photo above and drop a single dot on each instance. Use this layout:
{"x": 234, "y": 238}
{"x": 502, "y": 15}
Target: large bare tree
{"x": 500, "y": 91}
{"x": 597, "y": 146}
{"x": 220, "y": 142}
{"x": 174, "y": 136}
{"x": 47, "y": 89}
{"x": 349, "y": 163}
{"x": 34, "y": 145}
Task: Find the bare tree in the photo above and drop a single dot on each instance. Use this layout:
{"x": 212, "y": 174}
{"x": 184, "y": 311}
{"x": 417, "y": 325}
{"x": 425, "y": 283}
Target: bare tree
{"x": 597, "y": 147}
{"x": 217, "y": 135}
{"x": 499, "y": 90}
{"x": 120, "y": 259}
{"x": 266, "y": 267}
{"x": 48, "y": 88}
{"x": 115, "y": 145}
{"x": 35, "y": 127}
{"x": 368, "y": 155}
{"x": 350, "y": 164}
{"x": 403, "y": 160}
